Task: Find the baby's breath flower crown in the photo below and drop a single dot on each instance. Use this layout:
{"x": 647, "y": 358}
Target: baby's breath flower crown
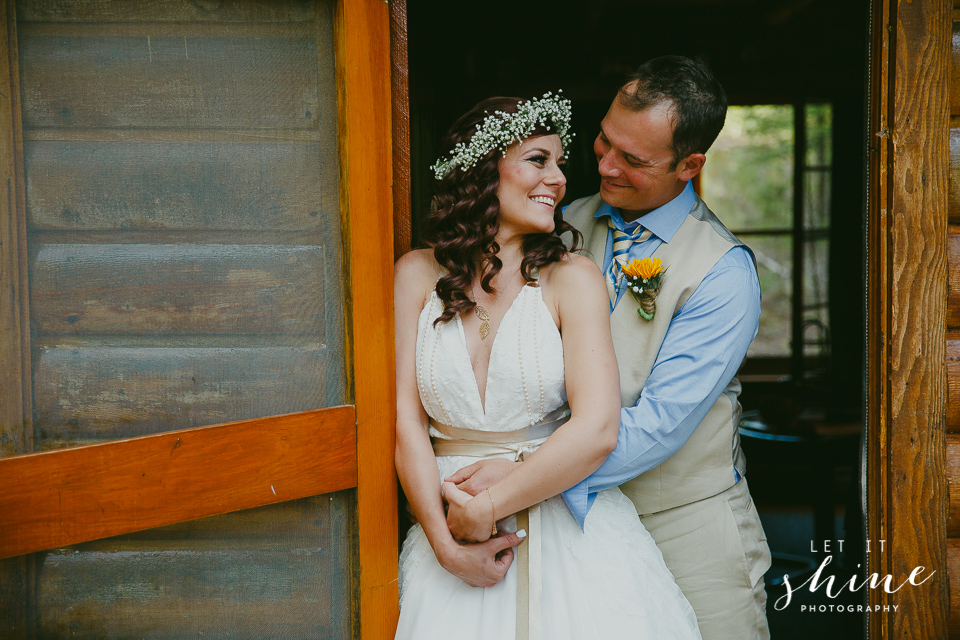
{"x": 499, "y": 130}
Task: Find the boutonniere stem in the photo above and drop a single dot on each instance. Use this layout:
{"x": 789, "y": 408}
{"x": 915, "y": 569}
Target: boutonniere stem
{"x": 644, "y": 278}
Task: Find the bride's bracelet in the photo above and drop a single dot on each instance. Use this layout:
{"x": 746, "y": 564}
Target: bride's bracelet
{"x": 493, "y": 512}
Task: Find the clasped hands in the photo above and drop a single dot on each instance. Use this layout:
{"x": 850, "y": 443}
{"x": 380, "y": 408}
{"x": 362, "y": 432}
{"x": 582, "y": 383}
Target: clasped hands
{"x": 480, "y": 559}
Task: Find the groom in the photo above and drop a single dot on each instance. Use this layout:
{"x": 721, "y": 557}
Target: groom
{"x": 678, "y": 456}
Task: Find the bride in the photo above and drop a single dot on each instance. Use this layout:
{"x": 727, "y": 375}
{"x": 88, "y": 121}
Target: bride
{"x": 503, "y": 350}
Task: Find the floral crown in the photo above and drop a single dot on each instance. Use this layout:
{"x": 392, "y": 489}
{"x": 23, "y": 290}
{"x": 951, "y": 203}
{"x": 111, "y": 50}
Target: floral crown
{"x": 499, "y": 130}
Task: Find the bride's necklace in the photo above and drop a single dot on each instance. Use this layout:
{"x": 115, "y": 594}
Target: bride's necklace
{"x": 484, "y": 314}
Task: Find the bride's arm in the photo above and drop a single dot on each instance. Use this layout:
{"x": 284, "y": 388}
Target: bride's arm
{"x": 478, "y": 565}
{"x": 581, "y": 445}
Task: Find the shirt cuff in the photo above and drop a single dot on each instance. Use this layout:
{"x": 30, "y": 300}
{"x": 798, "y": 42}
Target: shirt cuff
{"x": 579, "y": 500}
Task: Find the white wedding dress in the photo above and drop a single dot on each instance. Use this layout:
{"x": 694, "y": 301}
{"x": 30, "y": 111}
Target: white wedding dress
{"x": 604, "y": 583}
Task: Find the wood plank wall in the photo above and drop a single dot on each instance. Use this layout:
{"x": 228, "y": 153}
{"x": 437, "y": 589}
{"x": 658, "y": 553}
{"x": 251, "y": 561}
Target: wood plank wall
{"x": 179, "y": 183}
{"x": 180, "y": 166}
{"x": 953, "y": 336}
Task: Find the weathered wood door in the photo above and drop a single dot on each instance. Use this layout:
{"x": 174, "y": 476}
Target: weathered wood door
{"x": 185, "y": 182}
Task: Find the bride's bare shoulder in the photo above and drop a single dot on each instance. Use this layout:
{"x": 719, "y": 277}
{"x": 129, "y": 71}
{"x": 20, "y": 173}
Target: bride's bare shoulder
{"x": 417, "y": 264}
{"x": 573, "y": 283}
{"x": 415, "y": 274}
{"x": 572, "y": 272}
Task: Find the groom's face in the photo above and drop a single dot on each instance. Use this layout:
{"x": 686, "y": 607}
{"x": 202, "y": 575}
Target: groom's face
{"x": 635, "y": 160}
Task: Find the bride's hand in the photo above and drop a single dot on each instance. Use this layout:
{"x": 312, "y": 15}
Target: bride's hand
{"x": 469, "y": 519}
{"x": 483, "y": 564}
{"x": 482, "y": 475}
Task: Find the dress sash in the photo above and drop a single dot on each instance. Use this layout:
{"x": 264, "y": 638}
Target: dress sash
{"x": 481, "y": 444}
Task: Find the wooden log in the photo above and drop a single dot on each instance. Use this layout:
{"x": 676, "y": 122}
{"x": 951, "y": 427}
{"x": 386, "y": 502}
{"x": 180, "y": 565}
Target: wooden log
{"x": 953, "y": 276}
{"x": 291, "y": 557}
{"x": 953, "y": 484}
{"x": 304, "y": 522}
{"x": 279, "y": 587}
{"x": 87, "y": 393}
{"x": 191, "y": 595}
{"x": 170, "y": 81}
{"x": 174, "y": 135}
{"x": 953, "y": 384}
{"x": 170, "y": 11}
{"x": 180, "y": 185}
{"x": 143, "y": 289}
{"x": 166, "y": 237}
{"x": 953, "y": 574}
{"x": 172, "y": 29}
{"x": 912, "y": 401}
{"x": 97, "y": 491}
{"x": 303, "y": 519}
{"x": 955, "y": 69}
{"x": 953, "y": 195}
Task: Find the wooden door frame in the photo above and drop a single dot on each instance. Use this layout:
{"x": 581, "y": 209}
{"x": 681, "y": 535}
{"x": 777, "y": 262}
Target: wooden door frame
{"x": 906, "y": 242}
{"x": 907, "y": 217}
{"x": 907, "y": 213}
{"x": 362, "y": 33}
{"x": 399, "y": 81}
{"x": 366, "y": 199}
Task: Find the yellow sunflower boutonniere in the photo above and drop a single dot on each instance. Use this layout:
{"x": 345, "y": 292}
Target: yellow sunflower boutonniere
{"x": 644, "y": 278}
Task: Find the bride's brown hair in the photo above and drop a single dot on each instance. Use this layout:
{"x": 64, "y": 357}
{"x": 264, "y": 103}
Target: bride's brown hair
{"x": 462, "y": 227}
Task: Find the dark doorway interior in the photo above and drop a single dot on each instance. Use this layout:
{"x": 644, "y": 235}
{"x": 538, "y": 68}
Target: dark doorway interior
{"x": 802, "y": 441}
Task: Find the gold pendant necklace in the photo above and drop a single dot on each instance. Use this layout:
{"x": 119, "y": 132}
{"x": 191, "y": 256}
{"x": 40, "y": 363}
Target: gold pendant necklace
{"x": 484, "y": 321}
{"x": 484, "y": 315}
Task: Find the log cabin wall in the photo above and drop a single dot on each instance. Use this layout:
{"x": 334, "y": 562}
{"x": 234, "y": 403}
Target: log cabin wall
{"x": 179, "y": 192}
{"x": 953, "y": 335}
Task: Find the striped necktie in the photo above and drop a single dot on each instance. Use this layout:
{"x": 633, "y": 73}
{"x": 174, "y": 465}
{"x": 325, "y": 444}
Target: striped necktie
{"x": 621, "y": 254}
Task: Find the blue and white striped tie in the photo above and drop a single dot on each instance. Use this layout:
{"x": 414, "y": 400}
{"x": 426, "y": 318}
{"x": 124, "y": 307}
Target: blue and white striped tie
{"x": 622, "y": 243}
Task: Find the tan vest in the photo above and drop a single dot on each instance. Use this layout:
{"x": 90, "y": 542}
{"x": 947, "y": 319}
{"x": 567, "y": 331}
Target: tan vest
{"x": 703, "y": 467}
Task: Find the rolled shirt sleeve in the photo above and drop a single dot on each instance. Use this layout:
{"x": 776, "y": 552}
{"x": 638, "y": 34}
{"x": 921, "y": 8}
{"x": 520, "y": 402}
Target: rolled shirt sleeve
{"x": 703, "y": 348}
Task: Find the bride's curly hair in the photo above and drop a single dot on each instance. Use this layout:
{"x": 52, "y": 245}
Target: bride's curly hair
{"x": 463, "y": 223}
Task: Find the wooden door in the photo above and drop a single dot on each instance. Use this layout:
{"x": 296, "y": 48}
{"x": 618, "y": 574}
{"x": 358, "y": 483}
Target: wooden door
{"x": 196, "y": 405}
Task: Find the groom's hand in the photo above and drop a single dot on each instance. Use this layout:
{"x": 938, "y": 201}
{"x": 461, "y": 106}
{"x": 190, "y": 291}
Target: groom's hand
{"x": 482, "y": 475}
{"x": 483, "y": 564}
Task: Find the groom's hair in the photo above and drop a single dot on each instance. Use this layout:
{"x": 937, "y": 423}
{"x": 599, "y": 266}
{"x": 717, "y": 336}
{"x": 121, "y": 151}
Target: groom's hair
{"x": 698, "y": 102}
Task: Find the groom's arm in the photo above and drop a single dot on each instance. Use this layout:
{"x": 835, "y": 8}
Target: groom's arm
{"x": 701, "y": 352}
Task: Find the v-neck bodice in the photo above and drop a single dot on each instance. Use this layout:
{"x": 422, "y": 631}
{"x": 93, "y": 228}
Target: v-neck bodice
{"x": 524, "y": 376}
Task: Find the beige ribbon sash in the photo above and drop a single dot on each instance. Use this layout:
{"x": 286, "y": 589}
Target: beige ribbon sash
{"x": 481, "y": 444}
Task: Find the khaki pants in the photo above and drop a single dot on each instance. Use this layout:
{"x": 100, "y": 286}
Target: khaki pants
{"x": 718, "y": 554}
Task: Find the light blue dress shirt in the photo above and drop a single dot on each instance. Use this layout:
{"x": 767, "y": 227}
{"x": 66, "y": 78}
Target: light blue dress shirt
{"x": 701, "y": 352}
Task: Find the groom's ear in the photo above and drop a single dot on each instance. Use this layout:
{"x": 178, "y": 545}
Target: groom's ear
{"x": 690, "y": 166}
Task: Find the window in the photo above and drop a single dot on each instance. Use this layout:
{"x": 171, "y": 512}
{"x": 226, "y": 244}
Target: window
{"x": 768, "y": 178}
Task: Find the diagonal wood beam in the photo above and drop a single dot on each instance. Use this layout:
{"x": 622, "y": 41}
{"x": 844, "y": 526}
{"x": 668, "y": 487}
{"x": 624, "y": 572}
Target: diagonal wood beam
{"x": 57, "y": 498}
